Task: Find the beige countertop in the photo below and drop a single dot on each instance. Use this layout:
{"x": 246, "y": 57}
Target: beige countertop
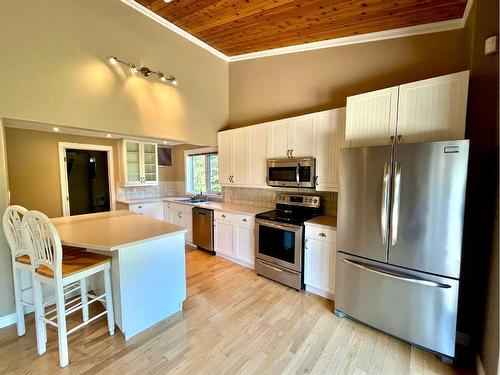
{"x": 112, "y": 230}
{"x": 224, "y": 206}
{"x": 323, "y": 221}
{"x": 141, "y": 200}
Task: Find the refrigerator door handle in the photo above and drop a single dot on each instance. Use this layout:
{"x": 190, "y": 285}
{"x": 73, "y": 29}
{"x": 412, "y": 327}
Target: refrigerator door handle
{"x": 384, "y": 211}
{"x": 395, "y": 203}
{"x": 395, "y": 276}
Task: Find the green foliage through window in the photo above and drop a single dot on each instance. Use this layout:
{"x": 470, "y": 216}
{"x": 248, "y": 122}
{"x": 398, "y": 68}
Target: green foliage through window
{"x": 203, "y": 174}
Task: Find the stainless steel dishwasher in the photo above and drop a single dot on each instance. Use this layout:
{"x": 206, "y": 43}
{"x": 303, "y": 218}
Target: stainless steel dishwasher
{"x": 203, "y": 228}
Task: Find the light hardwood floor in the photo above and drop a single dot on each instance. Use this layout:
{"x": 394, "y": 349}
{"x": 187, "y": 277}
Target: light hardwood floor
{"x": 233, "y": 322}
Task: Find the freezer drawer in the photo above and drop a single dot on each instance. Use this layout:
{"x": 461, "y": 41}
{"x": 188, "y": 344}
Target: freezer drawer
{"x": 413, "y": 306}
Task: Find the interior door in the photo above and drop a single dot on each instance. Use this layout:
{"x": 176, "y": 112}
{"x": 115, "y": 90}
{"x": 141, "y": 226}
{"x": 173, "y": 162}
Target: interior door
{"x": 362, "y": 216}
{"x": 426, "y": 228}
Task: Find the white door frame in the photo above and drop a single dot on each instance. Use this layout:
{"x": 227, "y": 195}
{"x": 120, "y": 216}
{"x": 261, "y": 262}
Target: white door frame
{"x": 63, "y": 172}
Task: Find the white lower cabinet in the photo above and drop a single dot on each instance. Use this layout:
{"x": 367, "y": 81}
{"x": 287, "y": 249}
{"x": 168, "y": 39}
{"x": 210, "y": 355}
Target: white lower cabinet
{"x": 234, "y": 237}
{"x": 319, "y": 261}
{"x": 181, "y": 215}
{"x": 152, "y": 209}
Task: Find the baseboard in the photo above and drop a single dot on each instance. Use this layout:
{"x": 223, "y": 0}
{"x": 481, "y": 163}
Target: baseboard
{"x": 320, "y": 293}
{"x": 8, "y": 320}
{"x": 237, "y": 261}
{"x": 479, "y": 366}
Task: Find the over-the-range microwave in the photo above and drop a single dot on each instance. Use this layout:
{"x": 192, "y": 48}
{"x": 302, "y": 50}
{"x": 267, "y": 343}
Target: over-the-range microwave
{"x": 292, "y": 172}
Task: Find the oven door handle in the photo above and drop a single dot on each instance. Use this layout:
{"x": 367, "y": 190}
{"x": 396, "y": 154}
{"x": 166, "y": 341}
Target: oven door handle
{"x": 265, "y": 264}
{"x": 283, "y": 226}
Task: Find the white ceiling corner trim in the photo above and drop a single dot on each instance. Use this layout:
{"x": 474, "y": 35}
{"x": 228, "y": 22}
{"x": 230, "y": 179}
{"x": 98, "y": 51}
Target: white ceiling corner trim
{"x": 434, "y": 27}
{"x": 155, "y": 17}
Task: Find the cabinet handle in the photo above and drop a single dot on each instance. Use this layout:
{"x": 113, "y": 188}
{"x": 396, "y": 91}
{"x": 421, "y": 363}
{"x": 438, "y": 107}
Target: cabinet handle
{"x": 291, "y": 153}
{"x": 245, "y": 220}
{"x": 322, "y": 235}
{"x": 288, "y": 153}
{"x": 223, "y": 216}
{"x": 305, "y": 244}
{"x": 392, "y": 139}
{"x": 399, "y": 138}
{"x": 139, "y": 206}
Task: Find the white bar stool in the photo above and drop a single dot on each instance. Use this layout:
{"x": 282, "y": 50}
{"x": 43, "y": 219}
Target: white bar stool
{"x": 49, "y": 268}
{"x": 21, "y": 264}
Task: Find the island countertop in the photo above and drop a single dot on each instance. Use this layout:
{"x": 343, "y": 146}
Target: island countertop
{"x": 112, "y": 230}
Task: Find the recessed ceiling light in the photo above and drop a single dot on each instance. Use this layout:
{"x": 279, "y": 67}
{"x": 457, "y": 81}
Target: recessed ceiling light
{"x": 108, "y": 135}
{"x": 165, "y": 142}
{"x": 167, "y": 1}
{"x": 55, "y": 129}
{"x": 113, "y": 60}
{"x": 174, "y": 82}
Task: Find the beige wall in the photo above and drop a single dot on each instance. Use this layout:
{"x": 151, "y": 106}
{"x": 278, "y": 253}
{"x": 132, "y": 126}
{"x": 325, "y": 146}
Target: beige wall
{"x": 281, "y": 86}
{"x": 55, "y": 70}
{"x": 33, "y": 167}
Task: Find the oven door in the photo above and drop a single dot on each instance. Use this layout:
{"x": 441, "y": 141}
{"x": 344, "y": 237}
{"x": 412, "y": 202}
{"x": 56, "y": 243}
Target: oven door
{"x": 279, "y": 244}
{"x": 291, "y": 172}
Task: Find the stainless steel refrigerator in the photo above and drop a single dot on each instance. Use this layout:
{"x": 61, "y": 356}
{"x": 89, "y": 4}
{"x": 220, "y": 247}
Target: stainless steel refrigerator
{"x": 399, "y": 239}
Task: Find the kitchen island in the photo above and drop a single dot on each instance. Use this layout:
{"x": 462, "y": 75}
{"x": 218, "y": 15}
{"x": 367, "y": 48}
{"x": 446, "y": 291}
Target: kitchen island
{"x": 148, "y": 268}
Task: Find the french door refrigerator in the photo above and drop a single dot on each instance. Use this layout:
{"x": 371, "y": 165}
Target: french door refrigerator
{"x": 399, "y": 239}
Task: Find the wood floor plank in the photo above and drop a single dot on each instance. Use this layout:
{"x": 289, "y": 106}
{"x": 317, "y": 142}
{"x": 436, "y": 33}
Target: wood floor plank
{"x": 233, "y": 322}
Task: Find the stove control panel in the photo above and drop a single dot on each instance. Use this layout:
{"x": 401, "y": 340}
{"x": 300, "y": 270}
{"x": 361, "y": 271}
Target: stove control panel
{"x": 299, "y": 200}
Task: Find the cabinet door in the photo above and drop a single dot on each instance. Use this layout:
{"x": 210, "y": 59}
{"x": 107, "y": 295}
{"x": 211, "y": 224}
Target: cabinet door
{"x": 319, "y": 265}
{"x": 301, "y": 136}
{"x": 277, "y": 137}
{"x": 150, "y": 163}
{"x": 187, "y": 222}
{"x": 225, "y": 157}
{"x": 132, "y": 163}
{"x": 167, "y": 212}
{"x": 329, "y": 135}
{"x": 224, "y": 238}
{"x": 156, "y": 210}
{"x": 257, "y": 154}
{"x": 244, "y": 243}
{"x": 141, "y": 208}
{"x": 433, "y": 109}
{"x": 239, "y": 153}
{"x": 371, "y": 118}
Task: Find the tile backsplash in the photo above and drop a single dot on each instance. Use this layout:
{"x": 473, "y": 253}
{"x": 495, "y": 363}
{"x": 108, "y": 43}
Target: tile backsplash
{"x": 267, "y": 197}
{"x": 163, "y": 189}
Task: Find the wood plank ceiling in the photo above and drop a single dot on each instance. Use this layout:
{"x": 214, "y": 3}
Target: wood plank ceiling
{"x": 236, "y": 27}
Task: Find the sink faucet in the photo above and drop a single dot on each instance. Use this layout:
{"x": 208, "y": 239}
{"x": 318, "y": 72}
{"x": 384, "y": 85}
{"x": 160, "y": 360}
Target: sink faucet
{"x": 200, "y": 196}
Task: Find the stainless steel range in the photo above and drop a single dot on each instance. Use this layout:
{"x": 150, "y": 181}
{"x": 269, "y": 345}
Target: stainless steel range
{"x": 279, "y": 238}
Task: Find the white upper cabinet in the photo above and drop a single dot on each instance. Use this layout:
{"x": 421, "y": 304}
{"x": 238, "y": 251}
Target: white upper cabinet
{"x": 278, "y": 145}
{"x": 140, "y": 163}
{"x": 371, "y": 118}
{"x": 224, "y": 140}
{"x": 433, "y": 109}
{"x": 257, "y": 155}
{"x": 291, "y": 138}
{"x": 329, "y": 128}
{"x": 243, "y": 152}
{"x": 423, "y": 111}
{"x": 233, "y": 157}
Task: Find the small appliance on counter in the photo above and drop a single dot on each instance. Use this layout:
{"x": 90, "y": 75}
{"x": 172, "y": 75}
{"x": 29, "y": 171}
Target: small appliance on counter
{"x": 203, "y": 228}
{"x": 279, "y": 238}
{"x": 292, "y": 172}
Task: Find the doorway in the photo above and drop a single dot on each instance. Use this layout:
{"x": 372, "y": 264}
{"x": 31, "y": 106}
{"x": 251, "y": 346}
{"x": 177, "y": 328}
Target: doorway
{"x": 88, "y": 181}
{"x": 86, "y": 178}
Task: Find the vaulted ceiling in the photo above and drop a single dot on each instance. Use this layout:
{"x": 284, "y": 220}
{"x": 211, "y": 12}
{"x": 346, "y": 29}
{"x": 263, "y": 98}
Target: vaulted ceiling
{"x": 236, "y": 27}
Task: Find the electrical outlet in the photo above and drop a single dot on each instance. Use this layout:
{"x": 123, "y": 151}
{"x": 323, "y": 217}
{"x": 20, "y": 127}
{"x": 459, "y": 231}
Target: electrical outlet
{"x": 490, "y": 45}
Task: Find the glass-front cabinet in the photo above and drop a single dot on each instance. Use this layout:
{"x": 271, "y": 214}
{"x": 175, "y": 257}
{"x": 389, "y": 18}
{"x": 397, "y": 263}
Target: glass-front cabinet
{"x": 140, "y": 163}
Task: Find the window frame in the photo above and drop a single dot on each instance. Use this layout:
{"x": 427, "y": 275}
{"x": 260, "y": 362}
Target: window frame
{"x": 188, "y": 161}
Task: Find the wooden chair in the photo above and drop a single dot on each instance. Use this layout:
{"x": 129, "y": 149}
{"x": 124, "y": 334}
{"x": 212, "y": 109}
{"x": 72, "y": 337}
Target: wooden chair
{"x": 51, "y": 269}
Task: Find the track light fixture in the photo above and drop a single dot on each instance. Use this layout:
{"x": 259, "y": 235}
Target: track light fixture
{"x": 143, "y": 71}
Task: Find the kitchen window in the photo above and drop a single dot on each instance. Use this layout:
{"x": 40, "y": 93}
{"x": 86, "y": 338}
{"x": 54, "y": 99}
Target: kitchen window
{"x": 202, "y": 173}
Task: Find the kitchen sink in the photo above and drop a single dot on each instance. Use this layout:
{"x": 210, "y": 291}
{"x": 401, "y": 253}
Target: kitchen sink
{"x": 191, "y": 200}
